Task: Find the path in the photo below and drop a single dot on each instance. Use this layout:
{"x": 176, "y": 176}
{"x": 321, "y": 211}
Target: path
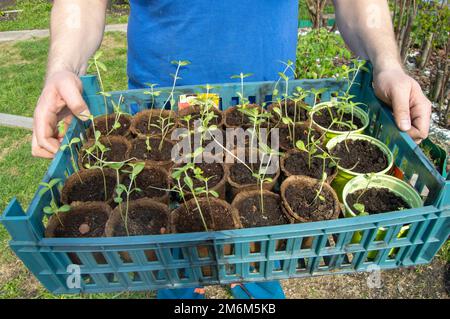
{"x": 29, "y": 34}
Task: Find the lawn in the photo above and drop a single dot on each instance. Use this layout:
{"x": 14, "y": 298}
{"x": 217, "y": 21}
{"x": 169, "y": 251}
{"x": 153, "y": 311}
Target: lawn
{"x": 36, "y": 15}
{"x": 22, "y": 65}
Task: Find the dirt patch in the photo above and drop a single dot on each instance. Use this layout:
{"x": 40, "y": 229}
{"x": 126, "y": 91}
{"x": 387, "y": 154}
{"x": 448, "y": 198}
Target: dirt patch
{"x": 14, "y": 146}
{"x": 377, "y": 200}
{"x": 360, "y": 156}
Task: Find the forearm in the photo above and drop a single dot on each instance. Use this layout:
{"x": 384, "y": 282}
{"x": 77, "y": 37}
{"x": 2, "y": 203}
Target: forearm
{"x": 367, "y": 29}
{"x": 76, "y": 29}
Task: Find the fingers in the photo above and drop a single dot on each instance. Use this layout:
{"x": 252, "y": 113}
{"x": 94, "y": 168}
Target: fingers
{"x": 70, "y": 92}
{"x": 38, "y": 151}
{"x": 420, "y": 115}
{"x": 400, "y": 98}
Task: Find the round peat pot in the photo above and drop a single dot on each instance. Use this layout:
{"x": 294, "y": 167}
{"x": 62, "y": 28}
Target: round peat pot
{"x": 395, "y": 185}
{"x": 88, "y": 185}
{"x": 301, "y": 204}
{"x": 154, "y": 183}
{"x": 330, "y": 133}
{"x": 104, "y": 124}
{"x": 344, "y": 175}
{"x": 295, "y": 162}
{"x": 216, "y": 173}
{"x": 83, "y": 220}
{"x": 233, "y": 118}
{"x": 140, "y": 122}
{"x": 145, "y": 217}
{"x": 194, "y": 111}
{"x": 118, "y": 150}
{"x": 153, "y": 151}
{"x": 240, "y": 177}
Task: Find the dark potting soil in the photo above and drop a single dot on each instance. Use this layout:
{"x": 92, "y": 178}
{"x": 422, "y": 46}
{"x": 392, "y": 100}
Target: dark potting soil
{"x": 295, "y": 111}
{"x": 237, "y": 118}
{"x": 150, "y": 181}
{"x": 324, "y": 119}
{"x": 241, "y": 175}
{"x": 142, "y": 220}
{"x": 214, "y": 171}
{"x": 447, "y": 278}
{"x": 302, "y": 200}
{"x": 139, "y": 150}
{"x": 298, "y": 164}
{"x": 251, "y": 216}
{"x": 92, "y": 188}
{"x": 117, "y": 152}
{"x": 90, "y": 220}
{"x": 377, "y": 200}
{"x": 154, "y": 128}
{"x": 301, "y": 133}
{"x": 100, "y": 125}
{"x": 361, "y": 156}
{"x": 217, "y": 217}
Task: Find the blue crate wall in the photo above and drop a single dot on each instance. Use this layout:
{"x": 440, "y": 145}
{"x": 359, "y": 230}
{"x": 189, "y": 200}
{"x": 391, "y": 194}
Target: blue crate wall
{"x": 254, "y": 254}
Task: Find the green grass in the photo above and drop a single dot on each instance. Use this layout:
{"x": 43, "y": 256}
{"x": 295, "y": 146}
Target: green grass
{"x": 22, "y": 66}
{"x": 36, "y": 15}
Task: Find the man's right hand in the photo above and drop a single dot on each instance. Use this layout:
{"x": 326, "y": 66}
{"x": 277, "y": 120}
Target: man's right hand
{"x": 60, "y": 100}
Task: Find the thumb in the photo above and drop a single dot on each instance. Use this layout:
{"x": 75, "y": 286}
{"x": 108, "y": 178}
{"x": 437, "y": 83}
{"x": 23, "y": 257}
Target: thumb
{"x": 70, "y": 92}
{"x": 400, "y": 106}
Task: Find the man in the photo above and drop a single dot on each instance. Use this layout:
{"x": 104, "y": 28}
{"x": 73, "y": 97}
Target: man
{"x": 220, "y": 38}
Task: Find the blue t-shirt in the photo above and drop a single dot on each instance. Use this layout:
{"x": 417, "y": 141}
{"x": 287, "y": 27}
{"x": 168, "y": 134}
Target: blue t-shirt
{"x": 219, "y": 37}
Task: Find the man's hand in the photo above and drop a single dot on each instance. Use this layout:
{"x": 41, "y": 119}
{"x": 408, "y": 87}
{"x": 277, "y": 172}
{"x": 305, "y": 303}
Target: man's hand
{"x": 412, "y": 110}
{"x": 60, "y": 100}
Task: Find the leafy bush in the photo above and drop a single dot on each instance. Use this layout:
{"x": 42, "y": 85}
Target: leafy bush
{"x": 320, "y": 54}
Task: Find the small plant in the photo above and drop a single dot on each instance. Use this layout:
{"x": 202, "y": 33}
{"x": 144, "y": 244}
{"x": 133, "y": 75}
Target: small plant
{"x": 359, "y": 207}
{"x": 53, "y": 208}
{"x": 121, "y": 189}
{"x": 243, "y": 100}
{"x": 98, "y": 65}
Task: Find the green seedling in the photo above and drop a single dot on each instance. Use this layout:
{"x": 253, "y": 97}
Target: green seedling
{"x": 53, "y": 208}
{"x": 121, "y": 189}
{"x": 98, "y": 65}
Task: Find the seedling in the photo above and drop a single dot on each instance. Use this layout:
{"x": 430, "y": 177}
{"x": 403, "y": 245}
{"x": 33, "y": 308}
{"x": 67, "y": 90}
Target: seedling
{"x": 361, "y": 208}
{"x": 53, "y": 208}
{"x": 121, "y": 189}
{"x": 70, "y": 144}
{"x": 243, "y": 100}
{"x": 95, "y": 62}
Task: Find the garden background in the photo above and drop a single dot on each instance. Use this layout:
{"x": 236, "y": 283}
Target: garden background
{"x": 422, "y": 30}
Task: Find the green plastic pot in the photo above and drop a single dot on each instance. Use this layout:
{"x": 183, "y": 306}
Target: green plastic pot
{"x": 397, "y": 186}
{"x": 345, "y": 175}
{"x": 329, "y": 134}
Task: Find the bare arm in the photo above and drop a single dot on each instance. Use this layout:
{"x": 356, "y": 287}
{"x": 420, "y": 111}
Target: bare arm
{"x": 367, "y": 29}
{"x": 76, "y": 29}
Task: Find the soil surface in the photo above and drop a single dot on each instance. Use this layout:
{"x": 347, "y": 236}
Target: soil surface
{"x": 251, "y": 216}
{"x": 92, "y": 188}
{"x": 377, "y": 200}
{"x": 149, "y": 180}
{"x": 303, "y": 202}
{"x": 153, "y": 128}
{"x": 241, "y": 175}
{"x": 298, "y": 164}
{"x": 117, "y": 152}
{"x": 236, "y": 118}
{"x": 82, "y": 223}
{"x": 100, "y": 125}
{"x": 301, "y": 133}
{"x": 214, "y": 171}
{"x": 139, "y": 150}
{"x": 361, "y": 156}
{"x": 324, "y": 119}
{"x": 295, "y": 111}
{"x": 143, "y": 220}
{"x": 217, "y": 217}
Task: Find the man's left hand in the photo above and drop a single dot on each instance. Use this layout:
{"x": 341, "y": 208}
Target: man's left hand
{"x": 412, "y": 109}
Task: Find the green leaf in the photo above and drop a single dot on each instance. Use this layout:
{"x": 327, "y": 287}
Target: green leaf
{"x": 48, "y": 210}
{"x": 214, "y": 193}
{"x": 102, "y": 66}
{"x": 64, "y": 208}
{"x": 188, "y": 181}
{"x": 359, "y": 208}
{"x": 301, "y": 145}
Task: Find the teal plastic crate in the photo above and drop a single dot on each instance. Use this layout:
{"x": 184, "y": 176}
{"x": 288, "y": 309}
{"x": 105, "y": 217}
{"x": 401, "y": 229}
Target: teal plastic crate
{"x": 229, "y": 258}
